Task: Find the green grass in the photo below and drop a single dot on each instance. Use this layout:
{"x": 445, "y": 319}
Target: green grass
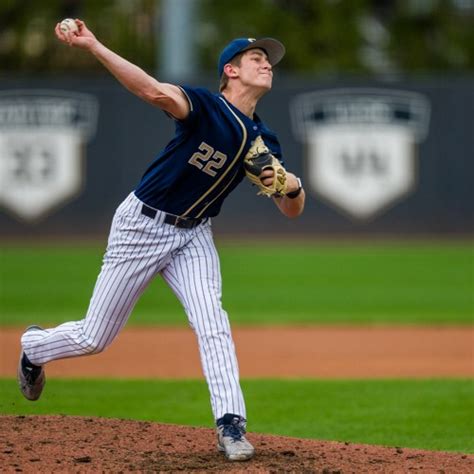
{"x": 284, "y": 283}
{"x": 425, "y": 414}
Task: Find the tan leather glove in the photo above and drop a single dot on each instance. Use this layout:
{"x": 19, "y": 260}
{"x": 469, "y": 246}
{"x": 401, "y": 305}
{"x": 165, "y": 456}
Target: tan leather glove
{"x": 258, "y": 159}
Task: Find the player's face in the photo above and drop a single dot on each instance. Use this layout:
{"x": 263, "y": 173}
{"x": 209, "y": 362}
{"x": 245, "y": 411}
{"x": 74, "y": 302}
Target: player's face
{"x": 255, "y": 70}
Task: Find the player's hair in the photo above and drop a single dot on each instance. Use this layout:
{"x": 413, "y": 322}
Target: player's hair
{"x": 235, "y": 61}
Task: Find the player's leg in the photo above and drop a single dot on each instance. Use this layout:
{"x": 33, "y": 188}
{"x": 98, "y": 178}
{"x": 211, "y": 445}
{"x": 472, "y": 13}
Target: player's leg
{"x": 194, "y": 275}
{"x": 137, "y": 247}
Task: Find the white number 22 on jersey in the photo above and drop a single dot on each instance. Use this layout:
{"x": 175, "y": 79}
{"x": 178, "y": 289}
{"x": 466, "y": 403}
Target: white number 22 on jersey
{"x": 208, "y": 159}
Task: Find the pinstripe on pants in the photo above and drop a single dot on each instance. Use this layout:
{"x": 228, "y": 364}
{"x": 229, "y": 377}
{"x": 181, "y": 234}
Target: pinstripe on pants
{"x": 138, "y": 249}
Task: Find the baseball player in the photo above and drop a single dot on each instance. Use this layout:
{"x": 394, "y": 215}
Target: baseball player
{"x": 164, "y": 226}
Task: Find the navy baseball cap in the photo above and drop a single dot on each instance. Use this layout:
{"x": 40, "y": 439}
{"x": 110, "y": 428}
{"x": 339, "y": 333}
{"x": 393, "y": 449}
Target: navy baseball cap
{"x": 272, "y": 47}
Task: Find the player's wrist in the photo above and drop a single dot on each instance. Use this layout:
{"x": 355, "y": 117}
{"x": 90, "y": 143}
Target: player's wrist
{"x": 95, "y": 47}
{"x": 296, "y": 190}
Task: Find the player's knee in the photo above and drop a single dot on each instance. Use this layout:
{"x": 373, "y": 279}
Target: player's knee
{"x": 94, "y": 344}
{"x": 211, "y": 334}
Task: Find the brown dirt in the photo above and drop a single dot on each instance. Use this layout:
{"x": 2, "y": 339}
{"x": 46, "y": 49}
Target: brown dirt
{"x": 283, "y": 352}
{"x": 77, "y": 444}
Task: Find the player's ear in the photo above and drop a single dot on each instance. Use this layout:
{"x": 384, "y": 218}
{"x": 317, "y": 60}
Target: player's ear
{"x": 231, "y": 70}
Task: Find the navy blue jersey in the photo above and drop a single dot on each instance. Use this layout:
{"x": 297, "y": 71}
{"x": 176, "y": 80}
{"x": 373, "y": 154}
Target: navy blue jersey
{"x": 203, "y": 163}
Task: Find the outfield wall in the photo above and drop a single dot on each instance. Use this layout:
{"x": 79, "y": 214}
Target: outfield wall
{"x": 376, "y": 158}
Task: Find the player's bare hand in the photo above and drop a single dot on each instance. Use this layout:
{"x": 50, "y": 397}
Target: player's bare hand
{"x": 267, "y": 176}
{"x": 82, "y": 38}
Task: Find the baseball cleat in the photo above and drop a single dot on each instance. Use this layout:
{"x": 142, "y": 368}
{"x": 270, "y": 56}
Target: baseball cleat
{"x": 231, "y": 440}
{"x": 31, "y": 378}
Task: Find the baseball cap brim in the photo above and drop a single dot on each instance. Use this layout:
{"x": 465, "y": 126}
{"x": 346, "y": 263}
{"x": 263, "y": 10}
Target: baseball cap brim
{"x": 272, "y": 47}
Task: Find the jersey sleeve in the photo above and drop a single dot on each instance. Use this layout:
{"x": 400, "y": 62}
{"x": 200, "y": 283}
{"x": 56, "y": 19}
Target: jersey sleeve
{"x": 200, "y": 100}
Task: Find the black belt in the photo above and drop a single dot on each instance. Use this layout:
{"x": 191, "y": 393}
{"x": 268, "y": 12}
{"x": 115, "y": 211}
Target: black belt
{"x": 182, "y": 222}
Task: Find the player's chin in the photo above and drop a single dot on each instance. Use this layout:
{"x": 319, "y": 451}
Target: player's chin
{"x": 265, "y": 83}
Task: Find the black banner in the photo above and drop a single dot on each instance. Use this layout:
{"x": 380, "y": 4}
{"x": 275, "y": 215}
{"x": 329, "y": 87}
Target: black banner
{"x": 375, "y": 158}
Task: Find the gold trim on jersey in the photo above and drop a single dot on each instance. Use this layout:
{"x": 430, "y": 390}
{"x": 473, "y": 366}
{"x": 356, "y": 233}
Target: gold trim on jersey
{"x": 187, "y": 97}
{"x": 224, "y": 174}
{"x": 225, "y": 187}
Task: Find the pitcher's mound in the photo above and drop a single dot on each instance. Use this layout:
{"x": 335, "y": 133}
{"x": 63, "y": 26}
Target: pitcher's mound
{"x": 79, "y": 444}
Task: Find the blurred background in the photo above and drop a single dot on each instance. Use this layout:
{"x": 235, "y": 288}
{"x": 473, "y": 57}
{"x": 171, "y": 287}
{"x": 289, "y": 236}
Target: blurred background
{"x": 373, "y": 104}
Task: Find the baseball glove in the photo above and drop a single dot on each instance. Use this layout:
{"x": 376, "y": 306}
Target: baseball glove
{"x": 258, "y": 159}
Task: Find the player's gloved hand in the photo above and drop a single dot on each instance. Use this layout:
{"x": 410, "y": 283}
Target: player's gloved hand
{"x": 260, "y": 160}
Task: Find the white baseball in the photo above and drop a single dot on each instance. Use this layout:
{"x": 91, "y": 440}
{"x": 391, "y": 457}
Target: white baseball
{"x": 68, "y": 25}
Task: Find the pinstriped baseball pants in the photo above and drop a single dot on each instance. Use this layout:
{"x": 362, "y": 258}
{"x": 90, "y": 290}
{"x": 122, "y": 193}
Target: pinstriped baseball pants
{"x": 138, "y": 249}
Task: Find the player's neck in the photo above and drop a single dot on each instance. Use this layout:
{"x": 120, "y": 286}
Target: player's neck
{"x": 242, "y": 100}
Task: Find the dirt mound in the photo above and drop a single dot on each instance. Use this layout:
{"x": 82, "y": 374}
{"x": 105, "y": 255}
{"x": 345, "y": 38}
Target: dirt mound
{"x": 78, "y": 444}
